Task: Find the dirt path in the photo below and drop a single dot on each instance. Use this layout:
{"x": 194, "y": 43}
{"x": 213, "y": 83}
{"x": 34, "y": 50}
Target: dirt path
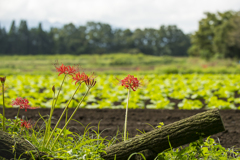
{"x": 113, "y": 119}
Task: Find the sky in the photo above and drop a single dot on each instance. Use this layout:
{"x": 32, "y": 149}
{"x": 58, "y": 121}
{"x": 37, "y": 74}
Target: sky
{"x": 130, "y": 14}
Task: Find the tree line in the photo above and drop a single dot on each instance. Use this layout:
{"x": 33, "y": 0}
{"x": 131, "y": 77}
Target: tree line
{"x": 92, "y": 38}
{"x": 218, "y": 36}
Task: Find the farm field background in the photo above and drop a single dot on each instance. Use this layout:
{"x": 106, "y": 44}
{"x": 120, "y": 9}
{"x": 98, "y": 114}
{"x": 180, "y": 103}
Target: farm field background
{"x": 117, "y": 63}
{"x": 211, "y": 84}
{"x": 166, "y": 91}
{"x": 175, "y": 88}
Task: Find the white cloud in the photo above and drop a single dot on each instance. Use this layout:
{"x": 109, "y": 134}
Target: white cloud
{"x": 120, "y": 13}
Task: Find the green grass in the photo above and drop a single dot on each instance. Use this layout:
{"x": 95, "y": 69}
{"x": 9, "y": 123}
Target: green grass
{"x": 116, "y": 63}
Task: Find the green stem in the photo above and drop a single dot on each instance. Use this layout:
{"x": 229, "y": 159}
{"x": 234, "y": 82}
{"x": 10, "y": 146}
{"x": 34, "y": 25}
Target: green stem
{"x": 48, "y": 125}
{"x": 59, "y": 91}
{"x": 66, "y": 116}
{"x": 125, "y": 125}
{"x": 52, "y": 109}
{"x": 16, "y": 119}
{"x": 3, "y": 121}
{"x": 61, "y": 116}
{"x": 69, "y": 119}
{"x": 21, "y": 130}
{"x": 51, "y": 112}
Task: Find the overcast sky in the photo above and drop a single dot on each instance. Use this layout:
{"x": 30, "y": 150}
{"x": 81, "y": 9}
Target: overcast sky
{"x": 118, "y": 13}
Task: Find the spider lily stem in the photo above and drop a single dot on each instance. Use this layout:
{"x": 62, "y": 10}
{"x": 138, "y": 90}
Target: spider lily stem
{"x": 48, "y": 125}
{"x": 125, "y": 125}
{"x": 3, "y": 120}
{"x": 61, "y": 115}
{"x": 16, "y": 119}
{"x": 69, "y": 119}
{"x": 59, "y": 91}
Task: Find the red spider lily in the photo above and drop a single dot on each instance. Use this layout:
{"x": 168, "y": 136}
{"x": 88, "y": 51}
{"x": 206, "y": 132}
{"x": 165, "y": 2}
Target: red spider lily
{"x": 66, "y": 69}
{"x": 80, "y": 77}
{"x": 26, "y": 124}
{"x": 3, "y": 79}
{"x": 72, "y": 70}
{"x": 22, "y": 103}
{"x": 130, "y": 82}
{"x": 90, "y": 82}
{"x": 62, "y": 69}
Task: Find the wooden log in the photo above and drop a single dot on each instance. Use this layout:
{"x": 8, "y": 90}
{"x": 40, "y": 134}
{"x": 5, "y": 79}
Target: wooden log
{"x": 181, "y": 132}
{"x": 12, "y": 147}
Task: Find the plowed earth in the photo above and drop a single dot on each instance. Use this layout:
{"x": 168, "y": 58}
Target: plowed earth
{"x": 112, "y": 120}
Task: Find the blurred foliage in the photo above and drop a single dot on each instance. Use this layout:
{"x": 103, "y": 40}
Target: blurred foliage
{"x": 94, "y": 37}
{"x": 192, "y": 91}
{"x": 218, "y": 36}
{"x": 116, "y": 63}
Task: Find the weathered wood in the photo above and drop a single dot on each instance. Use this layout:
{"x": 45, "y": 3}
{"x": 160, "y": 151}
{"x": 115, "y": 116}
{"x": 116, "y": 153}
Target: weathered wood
{"x": 9, "y": 142}
{"x": 181, "y": 132}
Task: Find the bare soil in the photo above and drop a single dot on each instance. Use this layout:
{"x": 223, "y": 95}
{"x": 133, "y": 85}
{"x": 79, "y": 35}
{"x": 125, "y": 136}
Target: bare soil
{"x": 112, "y": 120}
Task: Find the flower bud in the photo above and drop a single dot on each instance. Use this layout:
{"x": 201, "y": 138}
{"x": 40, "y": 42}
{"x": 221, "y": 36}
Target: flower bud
{"x": 3, "y": 79}
{"x": 90, "y": 83}
{"x": 53, "y": 88}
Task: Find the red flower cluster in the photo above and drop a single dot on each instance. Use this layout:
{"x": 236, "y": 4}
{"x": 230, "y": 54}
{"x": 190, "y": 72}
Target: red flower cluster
{"x": 130, "y": 82}
{"x": 80, "y": 77}
{"x": 22, "y": 103}
{"x": 76, "y": 75}
{"x": 66, "y": 70}
{"x": 26, "y": 124}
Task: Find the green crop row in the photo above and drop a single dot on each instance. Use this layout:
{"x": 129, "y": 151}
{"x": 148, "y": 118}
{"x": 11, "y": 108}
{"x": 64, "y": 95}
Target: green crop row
{"x": 189, "y": 91}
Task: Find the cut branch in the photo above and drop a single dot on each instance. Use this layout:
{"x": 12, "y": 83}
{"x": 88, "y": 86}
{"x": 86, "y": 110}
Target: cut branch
{"x": 181, "y": 132}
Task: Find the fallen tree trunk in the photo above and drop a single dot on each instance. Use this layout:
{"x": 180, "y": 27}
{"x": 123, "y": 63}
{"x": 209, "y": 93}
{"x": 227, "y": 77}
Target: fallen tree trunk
{"x": 12, "y": 146}
{"x": 179, "y": 133}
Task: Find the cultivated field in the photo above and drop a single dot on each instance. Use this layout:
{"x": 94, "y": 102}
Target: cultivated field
{"x": 173, "y": 89}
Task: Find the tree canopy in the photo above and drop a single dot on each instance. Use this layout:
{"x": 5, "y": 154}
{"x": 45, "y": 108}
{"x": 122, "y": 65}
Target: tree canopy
{"x": 94, "y": 37}
{"x": 218, "y": 35}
